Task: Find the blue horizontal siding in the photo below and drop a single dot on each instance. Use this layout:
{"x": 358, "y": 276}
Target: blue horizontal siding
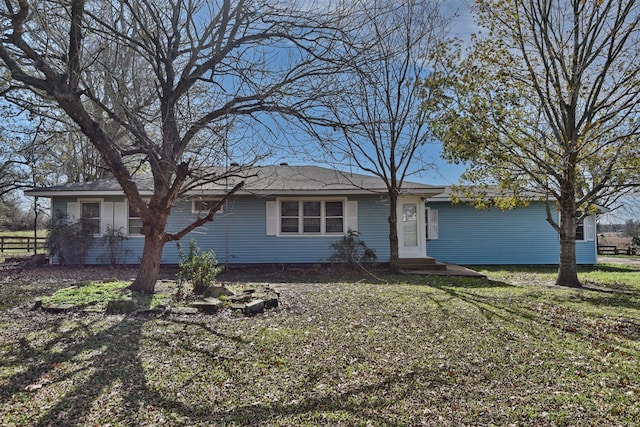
{"x": 492, "y": 236}
{"x": 238, "y": 235}
{"x": 466, "y": 235}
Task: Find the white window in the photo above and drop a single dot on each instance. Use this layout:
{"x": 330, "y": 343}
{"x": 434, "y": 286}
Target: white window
{"x": 202, "y": 205}
{"x": 134, "y": 223}
{"x": 585, "y": 229}
{"x": 90, "y": 216}
{"x": 431, "y": 222}
{"x": 311, "y": 217}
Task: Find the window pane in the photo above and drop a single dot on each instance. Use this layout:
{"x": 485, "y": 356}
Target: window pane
{"x": 334, "y": 225}
{"x": 289, "y": 225}
{"x": 311, "y": 208}
{"x": 289, "y": 209}
{"x": 409, "y": 212}
{"x": 333, "y": 208}
{"x": 204, "y": 205}
{"x": 135, "y": 224}
{"x": 90, "y": 210}
{"x": 311, "y": 225}
{"x": 90, "y": 217}
{"x": 410, "y": 224}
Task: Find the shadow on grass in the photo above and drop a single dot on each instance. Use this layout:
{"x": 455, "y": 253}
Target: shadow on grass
{"x": 113, "y": 358}
{"x": 98, "y": 361}
{"x": 604, "y": 298}
{"x": 553, "y": 269}
{"x": 553, "y": 311}
{"x": 491, "y": 307}
{"x": 321, "y": 273}
{"x": 107, "y": 370}
{"x": 612, "y": 268}
{"x": 461, "y": 282}
{"x": 365, "y": 404}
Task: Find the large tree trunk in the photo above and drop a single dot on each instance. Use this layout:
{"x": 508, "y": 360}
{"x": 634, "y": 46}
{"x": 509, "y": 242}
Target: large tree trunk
{"x": 567, "y": 268}
{"x": 394, "y": 258}
{"x": 145, "y": 281}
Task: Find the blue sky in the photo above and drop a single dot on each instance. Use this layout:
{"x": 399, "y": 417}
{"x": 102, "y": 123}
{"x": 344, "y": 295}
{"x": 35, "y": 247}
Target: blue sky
{"x": 462, "y": 26}
{"x": 442, "y": 173}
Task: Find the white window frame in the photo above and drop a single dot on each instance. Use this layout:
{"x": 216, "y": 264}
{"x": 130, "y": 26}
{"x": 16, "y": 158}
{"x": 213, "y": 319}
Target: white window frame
{"x": 323, "y": 216}
{"x": 100, "y": 219}
{"x": 588, "y": 224}
{"x": 195, "y": 210}
{"x": 128, "y": 218}
{"x": 431, "y": 223}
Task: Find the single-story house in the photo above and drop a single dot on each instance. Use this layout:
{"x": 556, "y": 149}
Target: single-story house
{"x": 292, "y": 214}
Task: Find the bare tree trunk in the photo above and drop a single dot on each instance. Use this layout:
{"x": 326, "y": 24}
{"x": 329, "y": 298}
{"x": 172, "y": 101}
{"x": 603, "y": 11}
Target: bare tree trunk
{"x": 145, "y": 281}
{"x": 35, "y": 226}
{"x": 567, "y": 268}
{"x": 394, "y": 261}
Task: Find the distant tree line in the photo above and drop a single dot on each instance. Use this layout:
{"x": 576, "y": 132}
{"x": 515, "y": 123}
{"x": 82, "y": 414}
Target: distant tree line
{"x": 630, "y": 228}
{"x": 15, "y": 216}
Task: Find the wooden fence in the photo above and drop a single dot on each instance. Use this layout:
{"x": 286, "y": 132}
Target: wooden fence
{"x": 15, "y": 244}
{"x": 615, "y": 250}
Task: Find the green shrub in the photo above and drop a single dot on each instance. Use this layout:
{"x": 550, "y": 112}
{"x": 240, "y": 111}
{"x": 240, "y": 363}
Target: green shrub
{"x": 351, "y": 250}
{"x": 200, "y": 268}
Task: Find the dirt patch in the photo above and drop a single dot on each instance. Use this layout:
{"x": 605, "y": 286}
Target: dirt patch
{"x": 25, "y": 270}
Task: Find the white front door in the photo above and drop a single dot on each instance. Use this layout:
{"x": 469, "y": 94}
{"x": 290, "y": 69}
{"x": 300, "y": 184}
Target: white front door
{"x": 411, "y": 227}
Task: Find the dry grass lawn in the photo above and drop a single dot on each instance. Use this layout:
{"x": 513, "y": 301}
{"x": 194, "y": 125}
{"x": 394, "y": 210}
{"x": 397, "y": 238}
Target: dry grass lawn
{"x": 342, "y": 349}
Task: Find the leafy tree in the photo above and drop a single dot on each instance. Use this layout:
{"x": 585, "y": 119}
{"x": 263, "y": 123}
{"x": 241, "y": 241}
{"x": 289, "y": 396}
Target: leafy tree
{"x": 548, "y": 104}
{"x": 161, "y": 84}
{"x": 382, "y": 129}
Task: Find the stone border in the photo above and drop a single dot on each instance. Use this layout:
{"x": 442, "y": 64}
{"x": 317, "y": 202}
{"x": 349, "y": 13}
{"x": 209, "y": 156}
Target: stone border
{"x": 253, "y": 299}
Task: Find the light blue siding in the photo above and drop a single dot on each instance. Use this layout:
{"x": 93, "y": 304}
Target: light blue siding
{"x": 518, "y": 236}
{"x": 238, "y": 235}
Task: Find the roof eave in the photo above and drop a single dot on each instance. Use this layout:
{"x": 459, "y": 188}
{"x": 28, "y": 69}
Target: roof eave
{"x": 424, "y": 192}
{"x": 75, "y": 193}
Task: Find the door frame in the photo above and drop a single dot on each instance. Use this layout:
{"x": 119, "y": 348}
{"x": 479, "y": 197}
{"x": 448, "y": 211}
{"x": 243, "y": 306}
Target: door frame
{"x": 418, "y": 251}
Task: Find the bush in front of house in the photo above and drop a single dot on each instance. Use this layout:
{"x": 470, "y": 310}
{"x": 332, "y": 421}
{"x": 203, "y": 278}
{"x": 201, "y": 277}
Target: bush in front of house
{"x": 69, "y": 241}
{"x": 352, "y": 250}
{"x": 198, "y": 267}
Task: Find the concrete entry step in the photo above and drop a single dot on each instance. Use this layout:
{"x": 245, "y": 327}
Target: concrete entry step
{"x": 426, "y": 263}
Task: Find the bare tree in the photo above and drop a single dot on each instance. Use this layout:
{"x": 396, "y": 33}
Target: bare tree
{"x": 382, "y": 129}
{"x": 12, "y": 176}
{"x": 549, "y": 104}
{"x": 169, "y": 79}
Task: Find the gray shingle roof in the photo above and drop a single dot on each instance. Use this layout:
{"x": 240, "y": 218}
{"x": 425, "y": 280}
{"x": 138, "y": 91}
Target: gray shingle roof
{"x": 264, "y": 180}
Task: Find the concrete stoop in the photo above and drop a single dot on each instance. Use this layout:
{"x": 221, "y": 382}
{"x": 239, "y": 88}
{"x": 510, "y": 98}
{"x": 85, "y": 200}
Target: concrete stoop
{"x": 429, "y": 266}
